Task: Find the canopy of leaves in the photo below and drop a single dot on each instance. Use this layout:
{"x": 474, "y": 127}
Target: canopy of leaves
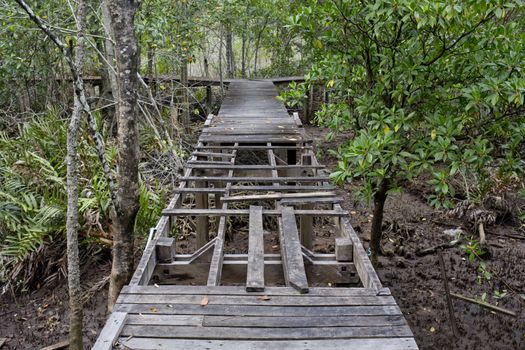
{"x": 433, "y": 86}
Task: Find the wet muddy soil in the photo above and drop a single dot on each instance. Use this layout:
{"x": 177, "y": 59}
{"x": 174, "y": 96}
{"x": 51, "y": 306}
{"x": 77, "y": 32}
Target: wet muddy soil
{"x": 40, "y": 318}
{"x": 411, "y": 225}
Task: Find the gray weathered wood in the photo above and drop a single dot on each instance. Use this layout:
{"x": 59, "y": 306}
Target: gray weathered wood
{"x": 335, "y": 344}
{"x": 238, "y": 290}
{"x": 255, "y": 272}
{"x": 255, "y": 179}
{"x": 267, "y": 333}
{"x": 111, "y": 331}
{"x": 201, "y": 202}
{"x": 276, "y": 300}
{"x": 278, "y": 196}
{"x": 245, "y": 212}
{"x": 233, "y": 316}
{"x": 343, "y": 249}
{"x": 291, "y": 251}
{"x": 259, "y": 310}
{"x": 165, "y": 248}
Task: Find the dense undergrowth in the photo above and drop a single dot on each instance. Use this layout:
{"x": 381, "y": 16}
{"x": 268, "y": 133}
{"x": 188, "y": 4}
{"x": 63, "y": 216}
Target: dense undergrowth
{"x": 33, "y": 197}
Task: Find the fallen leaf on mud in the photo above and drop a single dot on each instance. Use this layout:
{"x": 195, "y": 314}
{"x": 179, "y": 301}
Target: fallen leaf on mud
{"x": 153, "y": 309}
{"x": 264, "y": 298}
{"x": 204, "y": 301}
{"x": 432, "y": 329}
{"x": 353, "y": 212}
{"x": 275, "y": 246}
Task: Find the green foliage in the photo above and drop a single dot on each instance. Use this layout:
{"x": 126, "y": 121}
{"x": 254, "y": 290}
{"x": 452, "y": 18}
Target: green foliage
{"x": 428, "y": 86}
{"x": 293, "y": 96}
{"x": 33, "y": 196}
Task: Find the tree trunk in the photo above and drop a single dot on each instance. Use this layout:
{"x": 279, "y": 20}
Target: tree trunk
{"x": 243, "y": 55}
{"x": 220, "y": 66}
{"x": 376, "y": 231}
{"x": 185, "y": 100}
{"x": 230, "y": 59}
{"x": 112, "y": 93}
{"x": 73, "y": 260}
{"x": 122, "y": 13}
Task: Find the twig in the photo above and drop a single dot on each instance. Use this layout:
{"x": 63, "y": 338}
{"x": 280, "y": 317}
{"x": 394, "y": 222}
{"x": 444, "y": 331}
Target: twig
{"x": 450, "y": 307}
{"x": 441, "y": 246}
{"x": 484, "y": 304}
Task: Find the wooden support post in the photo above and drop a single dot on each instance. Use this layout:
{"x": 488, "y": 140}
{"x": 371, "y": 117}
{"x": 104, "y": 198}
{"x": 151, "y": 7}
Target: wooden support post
{"x": 291, "y": 252}
{"x": 306, "y": 222}
{"x": 343, "y": 249}
{"x": 255, "y": 269}
{"x": 201, "y": 202}
{"x": 165, "y": 249}
{"x": 209, "y": 99}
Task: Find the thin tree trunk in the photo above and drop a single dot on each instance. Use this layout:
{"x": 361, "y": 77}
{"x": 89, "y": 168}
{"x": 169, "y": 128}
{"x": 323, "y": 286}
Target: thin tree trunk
{"x": 73, "y": 260}
{"x": 185, "y": 100}
{"x": 110, "y": 59}
{"x": 377, "y": 231}
{"x": 257, "y": 45}
{"x": 220, "y": 66}
{"x": 230, "y": 59}
{"x": 121, "y": 13}
{"x": 243, "y": 55}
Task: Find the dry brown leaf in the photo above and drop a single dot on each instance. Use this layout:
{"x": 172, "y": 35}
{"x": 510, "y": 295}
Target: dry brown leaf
{"x": 264, "y": 298}
{"x": 204, "y": 301}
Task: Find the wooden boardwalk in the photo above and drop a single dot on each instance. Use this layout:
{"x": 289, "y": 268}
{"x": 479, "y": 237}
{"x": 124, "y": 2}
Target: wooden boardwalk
{"x": 255, "y": 164}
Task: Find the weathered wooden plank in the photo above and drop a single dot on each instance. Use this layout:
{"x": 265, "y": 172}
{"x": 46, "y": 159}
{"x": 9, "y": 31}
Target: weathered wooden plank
{"x": 255, "y": 272}
{"x": 314, "y": 200}
{"x": 265, "y": 322}
{"x": 257, "y": 300}
{"x": 111, "y": 331}
{"x": 212, "y": 344}
{"x": 245, "y": 212}
{"x": 266, "y": 333}
{"x": 291, "y": 251}
{"x": 223, "y": 166}
{"x": 343, "y": 249}
{"x": 167, "y": 320}
{"x": 212, "y": 154}
{"x": 252, "y": 147}
{"x": 277, "y": 196}
{"x": 259, "y": 310}
{"x": 201, "y": 229}
{"x": 282, "y": 188}
{"x": 214, "y": 276}
{"x": 238, "y": 290}
{"x": 301, "y": 321}
{"x": 165, "y": 249}
{"x": 363, "y": 265}
{"x": 255, "y": 179}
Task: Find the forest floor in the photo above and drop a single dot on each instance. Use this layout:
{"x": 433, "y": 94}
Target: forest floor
{"x": 40, "y": 318}
{"x": 411, "y": 225}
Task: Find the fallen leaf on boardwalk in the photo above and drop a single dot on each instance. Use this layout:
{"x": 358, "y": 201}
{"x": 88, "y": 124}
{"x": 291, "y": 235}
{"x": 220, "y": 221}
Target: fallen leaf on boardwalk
{"x": 153, "y": 309}
{"x": 204, "y": 301}
{"x": 156, "y": 285}
{"x": 264, "y": 298}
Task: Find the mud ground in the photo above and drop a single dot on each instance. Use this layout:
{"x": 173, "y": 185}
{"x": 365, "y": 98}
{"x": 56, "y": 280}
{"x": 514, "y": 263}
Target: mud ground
{"x": 40, "y": 318}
